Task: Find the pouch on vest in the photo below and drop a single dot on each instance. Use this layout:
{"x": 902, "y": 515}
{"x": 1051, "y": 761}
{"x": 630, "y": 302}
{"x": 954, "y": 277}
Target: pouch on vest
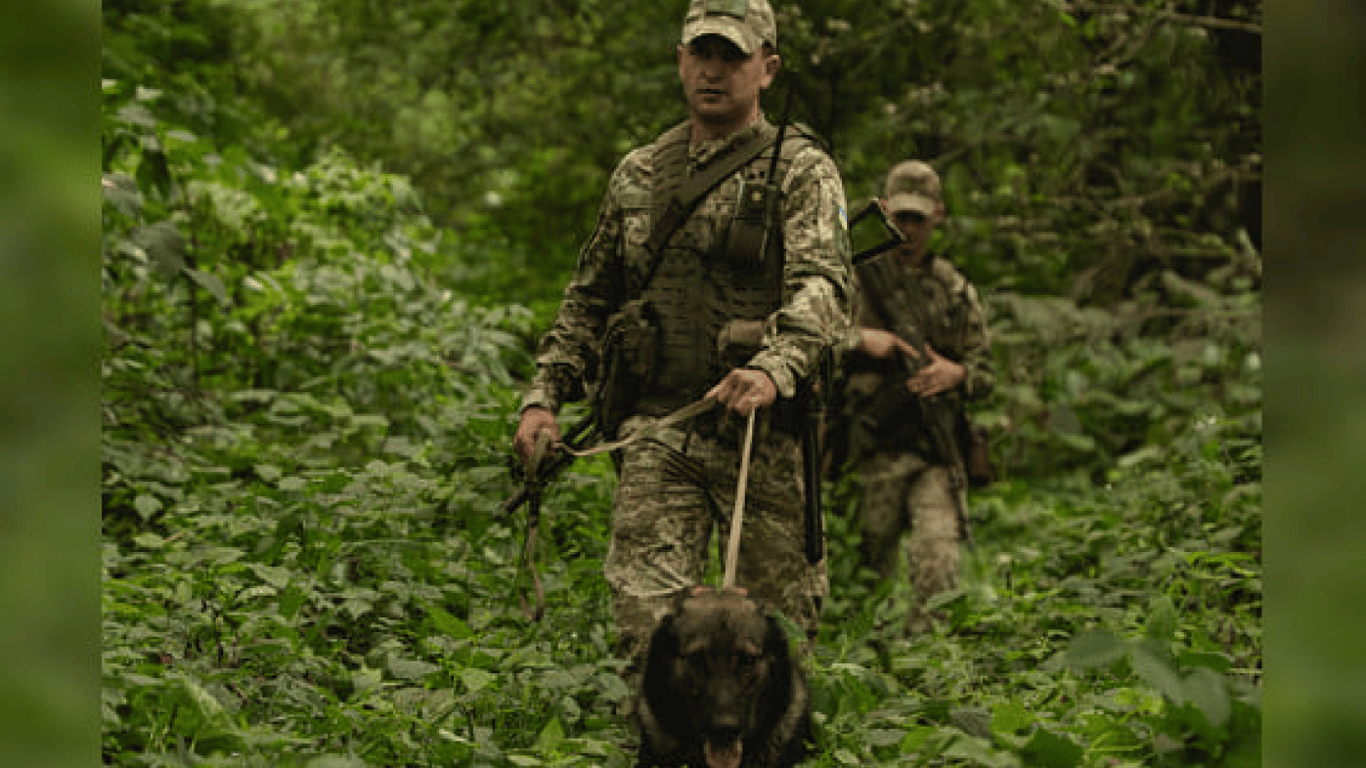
{"x": 738, "y": 341}
{"x": 630, "y": 349}
{"x": 745, "y": 241}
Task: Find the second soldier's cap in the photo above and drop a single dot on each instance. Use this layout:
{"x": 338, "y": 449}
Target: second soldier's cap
{"x": 747, "y": 23}
{"x": 913, "y": 186}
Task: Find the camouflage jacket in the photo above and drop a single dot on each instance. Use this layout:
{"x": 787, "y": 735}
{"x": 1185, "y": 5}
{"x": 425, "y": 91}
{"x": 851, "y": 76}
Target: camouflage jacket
{"x": 952, "y": 322}
{"x": 816, "y": 308}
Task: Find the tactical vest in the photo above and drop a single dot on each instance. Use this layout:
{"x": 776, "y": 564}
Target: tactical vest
{"x": 698, "y": 287}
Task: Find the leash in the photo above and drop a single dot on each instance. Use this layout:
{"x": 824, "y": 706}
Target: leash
{"x": 696, "y": 408}
{"x": 737, "y": 516}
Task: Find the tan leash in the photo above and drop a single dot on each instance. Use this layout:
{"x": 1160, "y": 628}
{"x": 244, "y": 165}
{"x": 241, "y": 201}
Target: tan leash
{"x": 696, "y": 408}
{"x": 738, "y": 515}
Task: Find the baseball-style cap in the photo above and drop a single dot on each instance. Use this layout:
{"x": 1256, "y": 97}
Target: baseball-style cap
{"x": 913, "y": 186}
{"x": 747, "y": 23}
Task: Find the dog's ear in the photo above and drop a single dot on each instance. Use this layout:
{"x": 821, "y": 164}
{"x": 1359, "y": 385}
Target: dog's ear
{"x": 778, "y": 686}
{"x": 659, "y": 687}
{"x": 659, "y": 655}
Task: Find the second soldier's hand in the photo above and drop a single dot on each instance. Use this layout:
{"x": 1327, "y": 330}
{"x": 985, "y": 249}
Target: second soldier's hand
{"x": 939, "y": 375}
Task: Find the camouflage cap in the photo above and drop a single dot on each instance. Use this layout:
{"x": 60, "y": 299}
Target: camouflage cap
{"x": 747, "y": 23}
{"x": 913, "y": 186}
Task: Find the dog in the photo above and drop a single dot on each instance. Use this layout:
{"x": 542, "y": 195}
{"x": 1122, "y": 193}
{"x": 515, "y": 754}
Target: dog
{"x": 720, "y": 688}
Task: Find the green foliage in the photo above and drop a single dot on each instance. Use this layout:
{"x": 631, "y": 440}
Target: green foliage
{"x": 311, "y": 366}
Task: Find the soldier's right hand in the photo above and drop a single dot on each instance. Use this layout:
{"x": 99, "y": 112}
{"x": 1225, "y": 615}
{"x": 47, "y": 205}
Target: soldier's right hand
{"x": 535, "y": 420}
{"x": 884, "y": 344}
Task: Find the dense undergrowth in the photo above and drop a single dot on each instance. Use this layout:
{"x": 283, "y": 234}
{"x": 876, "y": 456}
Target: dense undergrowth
{"x": 309, "y": 394}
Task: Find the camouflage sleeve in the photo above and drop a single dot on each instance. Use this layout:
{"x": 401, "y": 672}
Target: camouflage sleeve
{"x": 815, "y": 312}
{"x": 570, "y": 348}
{"x": 980, "y": 375}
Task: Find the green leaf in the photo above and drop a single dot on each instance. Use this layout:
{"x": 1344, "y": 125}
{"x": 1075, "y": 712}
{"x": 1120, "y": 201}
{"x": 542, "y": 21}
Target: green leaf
{"x": 447, "y": 624}
{"x": 336, "y": 761}
{"x": 1161, "y": 623}
{"x": 136, "y": 114}
{"x": 410, "y": 669}
{"x": 882, "y": 737}
{"x": 1050, "y": 750}
{"x": 147, "y": 505}
{"x": 476, "y": 680}
{"x": 550, "y": 737}
{"x": 1154, "y": 669}
{"x": 1093, "y": 649}
{"x": 121, "y": 191}
{"x": 210, "y": 283}
{"x": 1208, "y": 690}
{"x": 149, "y": 541}
{"x": 164, "y": 245}
{"x": 845, "y": 757}
{"x": 972, "y": 720}
{"x": 1010, "y": 716}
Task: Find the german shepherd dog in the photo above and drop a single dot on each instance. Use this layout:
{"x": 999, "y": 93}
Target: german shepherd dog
{"x": 720, "y": 688}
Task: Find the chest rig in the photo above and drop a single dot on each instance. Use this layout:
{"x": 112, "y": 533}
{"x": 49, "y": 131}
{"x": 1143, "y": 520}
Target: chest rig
{"x": 719, "y": 275}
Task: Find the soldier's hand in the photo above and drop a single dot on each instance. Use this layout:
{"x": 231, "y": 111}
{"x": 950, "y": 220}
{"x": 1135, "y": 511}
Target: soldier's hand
{"x": 744, "y": 390}
{"x": 534, "y": 420}
{"x": 884, "y": 344}
{"x": 939, "y": 375}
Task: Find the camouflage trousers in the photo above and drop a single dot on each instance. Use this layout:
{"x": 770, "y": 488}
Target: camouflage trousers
{"x": 901, "y": 491}
{"x": 676, "y": 490}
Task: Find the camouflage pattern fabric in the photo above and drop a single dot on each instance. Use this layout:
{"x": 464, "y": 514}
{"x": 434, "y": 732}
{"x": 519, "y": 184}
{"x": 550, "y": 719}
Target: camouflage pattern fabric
{"x": 901, "y": 491}
{"x": 673, "y": 507}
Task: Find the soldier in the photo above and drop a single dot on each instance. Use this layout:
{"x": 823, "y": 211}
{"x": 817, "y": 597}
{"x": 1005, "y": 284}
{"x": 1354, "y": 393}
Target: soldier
{"x": 735, "y": 301}
{"x": 906, "y": 418}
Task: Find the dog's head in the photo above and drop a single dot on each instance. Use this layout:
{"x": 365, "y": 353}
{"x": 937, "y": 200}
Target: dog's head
{"x": 718, "y": 676}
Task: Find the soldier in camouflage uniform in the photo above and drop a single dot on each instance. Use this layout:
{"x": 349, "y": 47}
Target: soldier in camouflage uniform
{"x": 742, "y": 328}
{"x": 906, "y": 481}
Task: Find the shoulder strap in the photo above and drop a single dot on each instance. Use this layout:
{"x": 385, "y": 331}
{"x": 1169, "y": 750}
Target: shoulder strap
{"x": 684, "y": 199}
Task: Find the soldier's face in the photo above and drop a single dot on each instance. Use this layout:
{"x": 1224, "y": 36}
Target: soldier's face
{"x": 722, "y": 83}
{"x": 916, "y": 228}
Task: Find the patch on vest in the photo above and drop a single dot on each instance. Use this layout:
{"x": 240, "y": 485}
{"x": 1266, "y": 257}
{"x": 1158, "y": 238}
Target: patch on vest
{"x": 844, "y": 217}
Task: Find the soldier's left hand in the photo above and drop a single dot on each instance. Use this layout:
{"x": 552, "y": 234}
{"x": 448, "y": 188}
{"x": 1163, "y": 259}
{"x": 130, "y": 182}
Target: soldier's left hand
{"x": 940, "y": 375}
{"x": 744, "y": 390}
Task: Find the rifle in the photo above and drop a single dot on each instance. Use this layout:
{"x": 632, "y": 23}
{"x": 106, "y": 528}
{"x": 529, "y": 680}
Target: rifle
{"x": 535, "y": 479}
{"x": 809, "y": 403}
{"x": 894, "y": 236}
